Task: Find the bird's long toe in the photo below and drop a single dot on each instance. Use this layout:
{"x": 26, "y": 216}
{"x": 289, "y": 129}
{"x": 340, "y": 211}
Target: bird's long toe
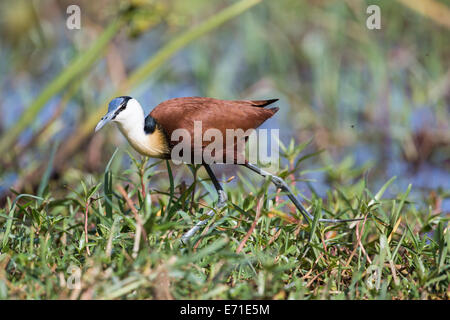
{"x": 223, "y": 198}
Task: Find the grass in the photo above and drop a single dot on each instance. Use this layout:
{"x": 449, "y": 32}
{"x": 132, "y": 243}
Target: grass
{"x": 255, "y": 249}
{"x": 376, "y": 102}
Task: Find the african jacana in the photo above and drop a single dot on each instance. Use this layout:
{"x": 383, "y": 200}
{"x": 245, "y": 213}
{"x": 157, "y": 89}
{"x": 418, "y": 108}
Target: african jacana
{"x": 150, "y": 135}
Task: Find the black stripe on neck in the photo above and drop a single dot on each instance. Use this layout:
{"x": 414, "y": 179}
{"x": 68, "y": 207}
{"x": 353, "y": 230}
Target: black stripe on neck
{"x": 149, "y": 125}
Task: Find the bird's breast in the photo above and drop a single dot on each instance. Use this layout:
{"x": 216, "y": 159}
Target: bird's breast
{"x": 152, "y": 145}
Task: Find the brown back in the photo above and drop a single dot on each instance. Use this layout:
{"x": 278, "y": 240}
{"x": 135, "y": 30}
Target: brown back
{"x": 213, "y": 113}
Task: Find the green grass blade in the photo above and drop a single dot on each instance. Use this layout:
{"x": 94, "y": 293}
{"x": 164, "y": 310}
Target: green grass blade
{"x": 108, "y": 189}
{"x": 381, "y": 191}
{"x": 315, "y": 222}
{"x": 10, "y": 216}
{"x": 172, "y": 186}
{"x": 48, "y": 171}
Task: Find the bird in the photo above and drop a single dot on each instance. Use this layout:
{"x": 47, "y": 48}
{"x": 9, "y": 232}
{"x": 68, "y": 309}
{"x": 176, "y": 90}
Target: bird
{"x": 152, "y": 136}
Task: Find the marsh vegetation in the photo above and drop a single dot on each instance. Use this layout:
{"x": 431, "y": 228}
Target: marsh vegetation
{"x": 364, "y": 125}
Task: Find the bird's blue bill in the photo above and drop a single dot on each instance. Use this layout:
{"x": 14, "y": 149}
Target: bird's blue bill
{"x": 107, "y": 118}
{"x": 115, "y": 104}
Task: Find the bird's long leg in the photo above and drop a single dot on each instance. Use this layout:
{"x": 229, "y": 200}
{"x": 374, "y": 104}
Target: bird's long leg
{"x": 220, "y": 204}
{"x": 280, "y": 183}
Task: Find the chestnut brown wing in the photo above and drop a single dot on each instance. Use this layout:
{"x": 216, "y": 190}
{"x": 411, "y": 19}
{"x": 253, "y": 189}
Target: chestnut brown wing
{"x": 180, "y": 113}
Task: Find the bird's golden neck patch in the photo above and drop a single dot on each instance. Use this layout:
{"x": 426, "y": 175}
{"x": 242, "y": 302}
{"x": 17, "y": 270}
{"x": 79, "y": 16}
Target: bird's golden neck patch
{"x": 152, "y": 145}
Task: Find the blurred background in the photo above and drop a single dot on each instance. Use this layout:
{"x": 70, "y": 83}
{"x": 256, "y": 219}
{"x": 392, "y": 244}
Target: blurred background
{"x": 377, "y": 102}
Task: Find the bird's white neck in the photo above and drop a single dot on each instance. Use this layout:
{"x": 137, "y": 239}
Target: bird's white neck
{"x": 132, "y": 127}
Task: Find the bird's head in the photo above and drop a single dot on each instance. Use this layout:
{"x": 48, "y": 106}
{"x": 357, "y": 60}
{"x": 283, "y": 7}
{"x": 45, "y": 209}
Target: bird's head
{"x": 120, "y": 109}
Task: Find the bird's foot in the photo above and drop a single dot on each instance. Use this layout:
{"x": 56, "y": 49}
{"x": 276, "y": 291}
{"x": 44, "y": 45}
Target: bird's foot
{"x": 279, "y": 183}
{"x": 220, "y": 204}
{"x": 223, "y": 198}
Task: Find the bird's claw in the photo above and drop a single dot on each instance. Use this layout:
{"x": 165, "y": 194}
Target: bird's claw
{"x": 279, "y": 183}
{"x": 223, "y": 198}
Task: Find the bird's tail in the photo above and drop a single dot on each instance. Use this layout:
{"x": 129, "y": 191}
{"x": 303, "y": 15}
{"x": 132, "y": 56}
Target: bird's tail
{"x": 263, "y": 103}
